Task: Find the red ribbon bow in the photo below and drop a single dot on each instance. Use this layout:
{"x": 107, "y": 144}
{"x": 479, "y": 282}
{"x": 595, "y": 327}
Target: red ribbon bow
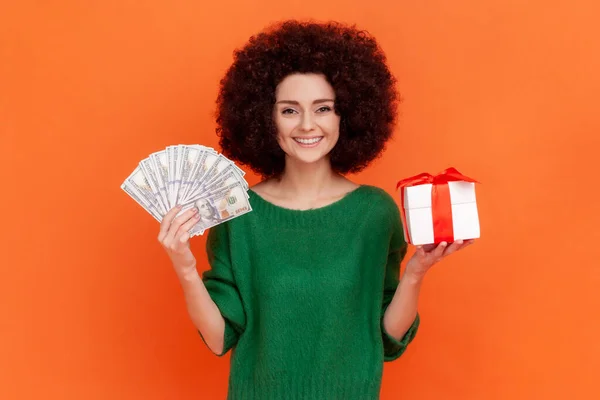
{"x": 441, "y": 205}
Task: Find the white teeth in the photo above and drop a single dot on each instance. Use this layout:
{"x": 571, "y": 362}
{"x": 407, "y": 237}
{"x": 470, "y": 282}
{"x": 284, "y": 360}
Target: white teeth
{"x": 308, "y": 141}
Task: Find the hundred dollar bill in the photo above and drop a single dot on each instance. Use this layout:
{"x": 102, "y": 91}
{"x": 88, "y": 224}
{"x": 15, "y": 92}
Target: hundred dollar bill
{"x": 204, "y": 164}
{"x": 230, "y": 167}
{"x": 172, "y": 157}
{"x": 241, "y": 171}
{"x": 227, "y": 177}
{"x": 224, "y": 204}
{"x": 204, "y": 148}
{"x": 213, "y": 173}
{"x": 189, "y": 203}
{"x": 219, "y": 165}
{"x": 228, "y": 204}
{"x": 190, "y": 176}
{"x": 147, "y": 169}
{"x": 176, "y": 172}
{"x": 161, "y": 166}
{"x": 138, "y": 180}
{"x": 139, "y": 198}
{"x": 217, "y": 168}
{"x": 190, "y": 156}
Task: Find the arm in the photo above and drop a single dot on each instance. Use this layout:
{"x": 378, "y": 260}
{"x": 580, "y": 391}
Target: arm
{"x": 400, "y": 319}
{"x": 402, "y": 312}
{"x": 203, "y": 311}
{"x": 221, "y": 334}
{"x": 213, "y": 302}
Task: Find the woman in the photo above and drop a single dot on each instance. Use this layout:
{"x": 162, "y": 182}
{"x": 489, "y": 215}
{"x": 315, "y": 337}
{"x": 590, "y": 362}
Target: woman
{"x": 305, "y": 289}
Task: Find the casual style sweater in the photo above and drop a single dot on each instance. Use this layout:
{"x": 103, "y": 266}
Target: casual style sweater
{"x": 303, "y": 294}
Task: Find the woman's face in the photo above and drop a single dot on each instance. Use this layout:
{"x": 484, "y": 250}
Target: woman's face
{"x": 307, "y": 126}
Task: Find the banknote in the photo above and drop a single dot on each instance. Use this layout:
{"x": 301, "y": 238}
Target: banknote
{"x": 139, "y": 198}
{"x": 142, "y": 188}
{"x": 219, "y": 206}
{"x": 220, "y": 174}
{"x": 189, "y": 157}
{"x": 160, "y": 164}
{"x": 150, "y": 177}
{"x": 201, "y": 172}
{"x": 191, "y": 176}
{"x": 202, "y": 164}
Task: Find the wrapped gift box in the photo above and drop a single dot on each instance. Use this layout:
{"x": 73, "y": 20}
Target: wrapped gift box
{"x": 437, "y": 208}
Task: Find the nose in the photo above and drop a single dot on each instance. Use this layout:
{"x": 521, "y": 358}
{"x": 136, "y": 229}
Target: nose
{"x": 307, "y": 123}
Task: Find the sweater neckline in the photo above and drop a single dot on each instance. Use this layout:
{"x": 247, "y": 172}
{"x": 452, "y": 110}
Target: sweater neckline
{"x": 309, "y": 214}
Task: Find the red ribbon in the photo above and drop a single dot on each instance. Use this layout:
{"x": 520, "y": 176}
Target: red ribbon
{"x": 441, "y": 206}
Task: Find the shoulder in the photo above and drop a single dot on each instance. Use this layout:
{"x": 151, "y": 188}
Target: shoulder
{"x": 385, "y": 214}
{"x": 383, "y": 210}
{"x": 379, "y": 198}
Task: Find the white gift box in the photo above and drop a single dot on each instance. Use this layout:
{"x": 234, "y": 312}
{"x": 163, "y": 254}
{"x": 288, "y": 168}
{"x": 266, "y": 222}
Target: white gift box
{"x": 432, "y": 213}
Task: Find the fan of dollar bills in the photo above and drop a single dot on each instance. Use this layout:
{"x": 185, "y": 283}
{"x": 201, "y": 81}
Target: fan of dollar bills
{"x": 190, "y": 176}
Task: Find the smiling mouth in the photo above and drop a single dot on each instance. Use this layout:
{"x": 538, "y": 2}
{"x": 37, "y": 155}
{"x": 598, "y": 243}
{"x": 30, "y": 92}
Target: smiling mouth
{"x": 309, "y": 141}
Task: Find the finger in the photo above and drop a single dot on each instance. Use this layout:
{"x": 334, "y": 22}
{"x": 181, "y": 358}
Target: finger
{"x": 183, "y": 233}
{"x": 420, "y": 251}
{"x": 456, "y": 245}
{"x": 177, "y": 222}
{"x": 439, "y": 251}
{"x": 166, "y": 222}
{"x": 465, "y": 244}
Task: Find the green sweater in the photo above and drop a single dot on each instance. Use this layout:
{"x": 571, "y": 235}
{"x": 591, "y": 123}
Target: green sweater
{"x": 303, "y": 294}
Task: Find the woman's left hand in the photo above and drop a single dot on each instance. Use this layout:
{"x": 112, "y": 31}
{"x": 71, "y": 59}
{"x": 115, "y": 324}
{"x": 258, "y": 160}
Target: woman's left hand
{"x": 426, "y": 256}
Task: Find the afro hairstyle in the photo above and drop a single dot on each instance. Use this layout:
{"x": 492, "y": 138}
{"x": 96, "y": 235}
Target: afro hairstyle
{"x": 353, "y": 64}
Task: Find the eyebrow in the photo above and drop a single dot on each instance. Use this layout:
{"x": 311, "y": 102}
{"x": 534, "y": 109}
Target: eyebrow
{"x": 296, "y": 103}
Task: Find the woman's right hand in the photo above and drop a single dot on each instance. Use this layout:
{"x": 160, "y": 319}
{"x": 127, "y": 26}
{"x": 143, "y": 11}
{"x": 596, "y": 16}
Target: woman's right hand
{"x": 174, "y": 237}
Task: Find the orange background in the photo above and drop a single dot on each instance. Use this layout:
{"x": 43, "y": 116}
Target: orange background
{"x": 505, "y": 91}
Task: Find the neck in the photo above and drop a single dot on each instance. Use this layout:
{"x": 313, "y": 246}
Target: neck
{"x": 303, "y": 180}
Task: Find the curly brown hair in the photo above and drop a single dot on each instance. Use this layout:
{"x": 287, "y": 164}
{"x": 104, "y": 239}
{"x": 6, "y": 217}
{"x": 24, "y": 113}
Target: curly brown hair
{"x": 353, "y": 64}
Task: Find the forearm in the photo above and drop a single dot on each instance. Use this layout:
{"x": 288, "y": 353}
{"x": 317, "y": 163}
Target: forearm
{"x": 203, "y": 311}
{"x": 402, "y": 310}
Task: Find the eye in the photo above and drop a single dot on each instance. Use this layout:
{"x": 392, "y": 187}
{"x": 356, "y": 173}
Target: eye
{"x": 324, "y": 109}
{"x": 288, "y": 111}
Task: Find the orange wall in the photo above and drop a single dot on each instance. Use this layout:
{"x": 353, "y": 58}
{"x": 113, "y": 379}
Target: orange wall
{"x": 506, "y": 91}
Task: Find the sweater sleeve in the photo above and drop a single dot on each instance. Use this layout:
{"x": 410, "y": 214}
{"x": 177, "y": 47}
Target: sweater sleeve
{"x": 220, "y": 283}
{"x": 394, "y": 348}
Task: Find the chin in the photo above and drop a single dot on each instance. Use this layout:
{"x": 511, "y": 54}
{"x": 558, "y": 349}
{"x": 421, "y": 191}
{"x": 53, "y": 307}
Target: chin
{"x": 309, "y": 158}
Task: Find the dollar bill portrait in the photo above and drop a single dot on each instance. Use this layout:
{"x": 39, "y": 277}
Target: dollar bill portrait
{"x": 208, "y": 214}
